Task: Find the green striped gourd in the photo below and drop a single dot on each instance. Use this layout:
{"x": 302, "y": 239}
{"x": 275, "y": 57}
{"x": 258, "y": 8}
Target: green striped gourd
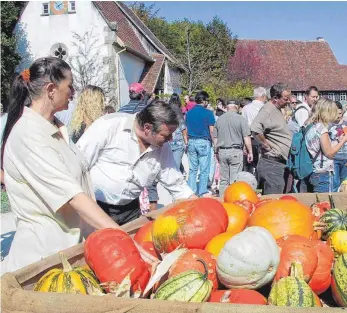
{"x": 293, "y": 291}
{"x": 339, "y": 281}
{"x": 335, "y": 219}
{"x": 78, "y": 280}
{"x": 189, "y": 286}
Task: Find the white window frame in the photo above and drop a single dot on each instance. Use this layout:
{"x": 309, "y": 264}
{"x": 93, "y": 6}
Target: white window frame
{"x": 72, "y": 6}
{"x": 343, "y": 96}
{"x": 43, "y": 8}
{"x": 331, "y": 96}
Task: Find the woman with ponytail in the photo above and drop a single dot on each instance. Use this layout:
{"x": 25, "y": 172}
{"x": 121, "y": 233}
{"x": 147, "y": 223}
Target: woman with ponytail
{"x": 46, "y": 178}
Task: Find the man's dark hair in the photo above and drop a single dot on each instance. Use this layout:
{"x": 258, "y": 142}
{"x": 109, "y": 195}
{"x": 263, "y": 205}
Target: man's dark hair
{"x": 191, "y": 98}
{"x": 109, "y": 109}
{"x": 158, "y": 113}
{"x": 277, "y": 90}
{"x": 201, "y": 96}
{"x": 308, "y": 90}
{"x": 339, "y": 105}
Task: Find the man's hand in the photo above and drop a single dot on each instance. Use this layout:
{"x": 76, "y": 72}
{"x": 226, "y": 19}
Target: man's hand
{"x": 249, "y": 157}
{"x": 265, "y": 147}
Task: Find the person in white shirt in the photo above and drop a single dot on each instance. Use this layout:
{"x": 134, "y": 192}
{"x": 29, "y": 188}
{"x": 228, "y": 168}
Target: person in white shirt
{"x": 127, "y": 152}
{"x": 250, "y": 111}
{"x": 46, "y": 179}
{"x": 303, "y": 110}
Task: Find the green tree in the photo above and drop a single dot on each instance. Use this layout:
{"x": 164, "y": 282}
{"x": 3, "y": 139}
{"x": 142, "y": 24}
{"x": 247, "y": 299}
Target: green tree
{"x": 9, "y": 57}
{"x": 204, "y": 50}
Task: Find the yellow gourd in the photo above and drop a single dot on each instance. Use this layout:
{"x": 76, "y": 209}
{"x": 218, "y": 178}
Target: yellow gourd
{"x": 338, "y": 242}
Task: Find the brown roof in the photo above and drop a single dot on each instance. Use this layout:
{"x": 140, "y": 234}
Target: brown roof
{"x": 112, "y": 13}
{"x": 146, "y": 31}
{"x": 298, "y": 63}
{"x": 150, "y": 75}
{"x": 343, "y": 70}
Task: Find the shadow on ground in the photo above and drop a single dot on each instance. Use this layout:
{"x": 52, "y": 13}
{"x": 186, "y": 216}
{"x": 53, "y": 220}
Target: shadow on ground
{"x": 6, "y": 241}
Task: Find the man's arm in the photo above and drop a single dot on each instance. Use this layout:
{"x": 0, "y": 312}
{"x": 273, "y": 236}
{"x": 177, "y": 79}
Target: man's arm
{"x": 258, "y": 129}
{"x": 248, "y": 144}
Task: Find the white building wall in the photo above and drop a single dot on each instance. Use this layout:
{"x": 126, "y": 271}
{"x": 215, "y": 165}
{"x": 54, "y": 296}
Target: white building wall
{"x": 130, "y": 69}
{"x": 172, "y": 80}
{"x": 45, "y": 31}
{"x": 146, "y": 44}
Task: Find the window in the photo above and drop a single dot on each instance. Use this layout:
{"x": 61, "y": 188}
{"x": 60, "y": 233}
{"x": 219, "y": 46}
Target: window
{"x": 59, "y": 50}
{"x": 45, "y": 8}
{"x": 72, "y": 7}
{"x": 343, "y": 96}
{"x": 331, "y": 96}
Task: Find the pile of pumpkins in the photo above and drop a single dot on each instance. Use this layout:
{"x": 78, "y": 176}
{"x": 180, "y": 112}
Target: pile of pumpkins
{"x": 243, "y": 250}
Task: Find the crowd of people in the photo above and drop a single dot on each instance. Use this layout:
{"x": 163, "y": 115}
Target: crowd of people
{"x": 70, "y": 169}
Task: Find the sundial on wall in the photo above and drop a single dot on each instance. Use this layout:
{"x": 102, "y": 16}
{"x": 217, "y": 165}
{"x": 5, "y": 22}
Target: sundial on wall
{"x": 59, "y": 7}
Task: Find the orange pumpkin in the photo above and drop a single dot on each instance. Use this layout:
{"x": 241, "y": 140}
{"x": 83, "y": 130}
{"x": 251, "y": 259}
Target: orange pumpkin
{"x": 298, "y": 250}
{"x": 190, "y": 224}
{"x": 321, "y": 278}
{"x": 242, "y": 296}
{"x": 189, "y": 261}
{"x": 144, "y": 234}
{"x": 284, "y": 217}
{"x": 216, "y": 244}
{"x": 238, "y": 217}
{"x": 239, "y": 191}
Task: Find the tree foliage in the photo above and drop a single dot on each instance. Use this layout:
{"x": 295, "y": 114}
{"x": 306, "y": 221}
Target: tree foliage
{"x": 203, "y": 49}
{"x": 10, "y": 11}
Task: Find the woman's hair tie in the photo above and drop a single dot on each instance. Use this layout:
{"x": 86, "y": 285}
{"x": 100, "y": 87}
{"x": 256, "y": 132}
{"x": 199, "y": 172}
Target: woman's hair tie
{"x": 26, "y": 75}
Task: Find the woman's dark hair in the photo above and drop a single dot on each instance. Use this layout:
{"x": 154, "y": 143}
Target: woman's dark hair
{"x": 175, "y": 103}
{"x": 220, "y": 112}
{"x": 109, "y": 109}
{"x": 157, "y": 113}
{"x": 339, "y": 105}
{"x": 27, "y": 87}
{"x": 201, "y": 96}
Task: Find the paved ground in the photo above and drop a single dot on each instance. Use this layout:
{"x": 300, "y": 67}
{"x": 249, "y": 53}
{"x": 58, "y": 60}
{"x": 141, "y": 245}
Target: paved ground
{"x": 8, "y": 226}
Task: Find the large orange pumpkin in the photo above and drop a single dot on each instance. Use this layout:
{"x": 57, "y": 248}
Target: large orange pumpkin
{"x": 300, "y": 250}
{"x": 190, "y": 224}
{"x": 144, "y": 234}
{"x": 242, "y": 296}
{"x": 239, "y": 191}
{"x": 238, "y": 217}
{"x": 189, "y": 261}
{"x": 321, "y": 278}
{"x": 112, "y": 255}
{"x": 216, "y": 244}
{"x": 284, "y": 217}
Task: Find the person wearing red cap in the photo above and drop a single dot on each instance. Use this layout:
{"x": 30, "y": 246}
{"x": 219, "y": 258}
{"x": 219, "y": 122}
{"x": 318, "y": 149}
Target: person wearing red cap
{"x": 138, "y": 99}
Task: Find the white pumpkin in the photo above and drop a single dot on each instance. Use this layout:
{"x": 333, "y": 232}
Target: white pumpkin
{"x": 249, "y": 259}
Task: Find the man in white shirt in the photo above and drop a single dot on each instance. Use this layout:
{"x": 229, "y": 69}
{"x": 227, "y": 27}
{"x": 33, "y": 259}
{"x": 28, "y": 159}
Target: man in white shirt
{"x": 250, "y": 111}
{"x": 303, "y": 110}
{"x": 126, "y": 153}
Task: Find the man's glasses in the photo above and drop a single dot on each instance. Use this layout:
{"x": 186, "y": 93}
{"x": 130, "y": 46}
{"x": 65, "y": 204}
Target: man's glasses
{"x": 294, "y": 103}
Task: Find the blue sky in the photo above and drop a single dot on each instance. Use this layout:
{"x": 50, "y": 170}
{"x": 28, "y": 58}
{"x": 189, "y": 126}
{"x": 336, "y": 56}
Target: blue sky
{"x": 271, "y": 20}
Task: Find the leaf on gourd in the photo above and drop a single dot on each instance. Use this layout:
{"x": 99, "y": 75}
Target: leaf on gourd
{"x": 162, "y": 268}
{"x": 91, "y": 290}
{"x": 121, "y": 290}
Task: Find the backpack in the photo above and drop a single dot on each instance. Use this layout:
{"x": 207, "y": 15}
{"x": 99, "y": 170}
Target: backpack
{"x": 300, "y": 162}
{"x": 293, "y": 124}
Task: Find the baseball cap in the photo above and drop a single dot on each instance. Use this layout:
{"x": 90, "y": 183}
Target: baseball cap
{"x": 136, "y": 87}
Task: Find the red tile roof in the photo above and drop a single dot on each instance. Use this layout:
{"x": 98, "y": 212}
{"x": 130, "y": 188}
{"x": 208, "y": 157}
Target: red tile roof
{"x": 298, "y": 63}
{"x": 146, "y": 31}
{"x": 151, "y": 73}
{"x": 112, "y": 13}
{"x": 343, "y": 70}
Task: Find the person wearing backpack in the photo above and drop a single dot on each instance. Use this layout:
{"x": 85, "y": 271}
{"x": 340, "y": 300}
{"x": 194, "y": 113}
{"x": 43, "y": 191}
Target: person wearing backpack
{"x": 319, "y": 145}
